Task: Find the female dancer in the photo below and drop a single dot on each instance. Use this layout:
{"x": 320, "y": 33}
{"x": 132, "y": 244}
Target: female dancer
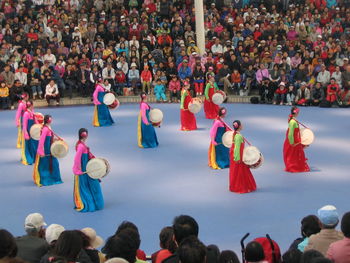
{"x": 87, "y": 191}
{"x": 29, "y": 146}
{"x": 293, "y": 150}
{"x": 46, "y": 167}
{"x": 188, "y": 120}
{"x": 218, "y": 154}
{"x": 241, "y": 178}
{"x": 102, "y": 116}
{"x": 22, "y": 106}
{"x": 146, "y": 135}
{"x": 210, "y": 108}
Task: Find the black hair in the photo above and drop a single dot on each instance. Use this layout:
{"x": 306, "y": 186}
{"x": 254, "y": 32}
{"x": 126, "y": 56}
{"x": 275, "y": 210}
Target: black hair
{"x": 322, "y": 260}
{"x": 166, "y": 239}
{"x": 214, "y": 251}
{"x": 310, "y": 225}
{"x": 184, "y": 226}
{"x": 80, "y": 133}
{"x": 8, "y": 246}
{"x": 222, "y": 111}
{"x": 46, "y": 118}
{"x": 292, "y": 256}
{"x": 293, "y": 110}
{"x": 236, "y": 124}
{"x": 143, "y": 95}
{"x": 126, "y": 224}
{"x": 254, "y": 252}
{"x": 345, "y": 224}
{"x": 68, "y": 245}
{"x": 192, "y": 250}
{"x": 228, "y": 256}
{"x": 86, "y": 239}
{"x": 309, "y": 255}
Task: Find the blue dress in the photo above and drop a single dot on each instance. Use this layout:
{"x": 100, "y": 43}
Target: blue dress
{"x": 87, "y": 191}
{"x": 29, "y": 147}
{"x": 222, "y": 152}
{"x": 102, "y": 116}
{"x": 147, "y": 137}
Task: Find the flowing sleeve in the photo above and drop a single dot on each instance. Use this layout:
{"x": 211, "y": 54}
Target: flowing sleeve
{"x": 183, "y": 96}
{"x": 19, "y": 113}
{"x": 292, "y": 125}
{"x": 44, "y": 133}
{"x": 95, "y": 95}
{"x": 216, "y": 86}
{"x": 77, "y": 160}
{"x": 25, "y": 125}
{"x": 237, "y": 151}
{"x": 206, "y": 92}
{"x": 143, "y": 113}
{"x": 213, "y": 131}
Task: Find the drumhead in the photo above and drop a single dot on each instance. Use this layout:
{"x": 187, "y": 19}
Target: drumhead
{"x": 97, "y": 168}
{"x": 59, "y": 149}
{"x": 195, "y": 106}
{"x": 251, "y": 155}
{"x": 307, "y": 136}
{"x": 155, "y": 115}
{"x": 35, "y": 131}
{"x": 108, "y": 98}
{"x": 218, "y": 98}
{"x": 227, "y": 139}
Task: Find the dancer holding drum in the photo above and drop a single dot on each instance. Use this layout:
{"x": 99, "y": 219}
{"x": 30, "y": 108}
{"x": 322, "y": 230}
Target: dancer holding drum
{"x": 29, "y": 145}
{"x": 22, "y": 106}
{"x": 188, "y": 120}
{"x": 46, "y": 167}
{"x": 146, "y": 134}
{"x": 102, "y": 116}
{"x": 210, "y": 108}
{"x": 87, "y": 191}
{"x": 218, "y": 154}
{"x": 241, "y": 178}
{"x": 293, "y": 149}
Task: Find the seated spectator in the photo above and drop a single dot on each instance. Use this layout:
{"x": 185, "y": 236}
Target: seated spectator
{"x": 174, "y": 88}
{"x": 4, "y": 96}
{"x": 8, "y": 246}
{"x": 109, "y": 73}
{"x": 192, "y": 250}
{"x": 292, "y": 256}
{"x": 15, "y": 92}
{"x": 254, "y": 252}
{"x": 134, "y": 77}
{"x": 70, "y": 79}
{"x": 120, "y": 81}
{"x": 317, "y": 94}
{"x": 248, "y": 78}
{"x": 32, "y": 246}
{"x": 324, "y": 77}
{"x": 91, "y": 242}
{"x": 198, "y": 79}
{"x": 22, "y": 77}
{"x": 280, "y": 94}
{"x": 159, "y": 91}
{"x": 68, "y": 246}
{"x": 51, "y": 93}
{"x": 184, "y": 71}
{"x": 107, "y": 85}
{"x": 328, "y": 216}
{"x": 223, "y": 77}
{"x": 83, "y": 81}
{"x": 52, "y": 233}
{"x": 236, "y": 83}
{"x": 228, "y": 256}
{"x": 339, "y": 251}
{"x": 303, "y": 95}
{"x": 311, "y": 256}
{"x": 167, "y": 245}
{"x": 333, "y": 91}
{"x": 34, "y": 81}
{"x": 290, "y": 95}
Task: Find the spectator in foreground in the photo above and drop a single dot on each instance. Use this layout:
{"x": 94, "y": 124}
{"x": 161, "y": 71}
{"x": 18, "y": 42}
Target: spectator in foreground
{"x": 167, "y": 245}
{"x": 8, "y": 247}
{"x": 228, "y": 256}
{"x": 192, "y": 250}
{"x": 254, "y": 252}
{"x": 68, "y": 246}
{"x": 4, "y": 96}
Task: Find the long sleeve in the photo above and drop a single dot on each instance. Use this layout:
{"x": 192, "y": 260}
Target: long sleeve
{"x": 206, "y": 92}
{"x": 44, "y": 133}
{"x": 95, "y": 94}
{"x": 237, "y": 150}
{"x": 25, "y": 125}
{"x": 20, "y": 109}
{"x": 143, "y": 109}
{"x": 292, "y": 125}
{"x": 77, "y": 160}
{"x": 214, "y": 130}
{"x": 183, "y": 96}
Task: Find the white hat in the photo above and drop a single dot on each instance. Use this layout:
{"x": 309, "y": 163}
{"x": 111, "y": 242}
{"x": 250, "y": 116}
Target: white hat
{"x": 53, "y": 232}
{"x": 133, "y": 65}
{"x": 257, "y": 26}
{"x": 282, "y": 84}
{"x": 230, "y": 20}
{"x": 34, "y": 221}
{"x": 319, "y": 36}
{"x": 95, "y": 240}
{"x": 116, "y": 260}
{"x": 328, "y": 215}
{"x": 84, "y": 19}
{"x": 279, "y": 47}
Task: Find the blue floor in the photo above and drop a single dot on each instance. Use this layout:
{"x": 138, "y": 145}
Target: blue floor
{"x": 151, "y": 186}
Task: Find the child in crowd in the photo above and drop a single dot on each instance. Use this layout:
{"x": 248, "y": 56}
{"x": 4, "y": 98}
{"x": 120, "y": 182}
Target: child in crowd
{"x": 4, "y": 96}
{"x": 174, "y": 87}
{"x": 290, "y": 95}
{"x": 159, "y": 90}
{"x": 107, "y": 85}
{"x": 236, "y": 82}
{"x": 280, "y": 94}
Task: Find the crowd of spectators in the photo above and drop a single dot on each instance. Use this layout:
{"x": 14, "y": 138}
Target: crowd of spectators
{"x": 289, "y": 51}
{"x": 320, "y": 242}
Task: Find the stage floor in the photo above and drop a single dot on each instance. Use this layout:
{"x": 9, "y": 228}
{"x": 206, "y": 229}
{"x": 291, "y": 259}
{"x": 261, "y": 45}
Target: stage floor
{"x": 151, "y": 186}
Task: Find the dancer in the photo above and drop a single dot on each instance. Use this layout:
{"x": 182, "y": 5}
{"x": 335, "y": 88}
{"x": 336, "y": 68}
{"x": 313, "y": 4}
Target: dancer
{"x": 188, "y": 120}
{"x": 46, "y": 167}
{"x": 210, "y": 108}
{"x": 87, "y": 191}
{"x": 102, "y": 116}
{"x": 293, "y": 150}
{"x": 29, "y": 145}
{"x": 22, "y": 106}
{"x": 241, "y": 178}
{"x": 146, "y": 134}
{"x": 218, "y": 154}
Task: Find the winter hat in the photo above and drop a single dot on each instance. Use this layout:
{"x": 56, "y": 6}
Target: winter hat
{"x": 328, "y": 215}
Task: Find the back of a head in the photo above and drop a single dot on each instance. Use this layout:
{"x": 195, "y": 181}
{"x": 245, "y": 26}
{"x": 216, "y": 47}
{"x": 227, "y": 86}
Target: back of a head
{"x": 292, "y": 256}
{"x": 254, "y": 252}
{"x": 68, "y": 245}
{"x": 321, "y": 260}
{"x": 184, "y": 226}
{"x": 328, "y": 216}
{"x": 166, "y": 239}
{"x": 310, "y": 225}
{"x": 192, "y": 250}
{"x": 228, "y": 256}
{"x": 309, "y": 255}
{"x": 116, "y": 260}
{"x": 127, "y": 224}
{"x": 8, "y": 246}
{"x": 345, "y": 224}
{"x": 272, "y": 251}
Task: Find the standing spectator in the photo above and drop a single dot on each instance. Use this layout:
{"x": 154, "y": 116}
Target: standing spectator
{"x": 236, "y": 83}
{"x": 83, "y": 79}
{"x": 174, "y": 88}
{"x": 223, "y": 77}
{"x": 317, "y": 94}
{"x": 4, "y": 96}
{"x": 52, "y": 93}
{"x": 146, "y": 79}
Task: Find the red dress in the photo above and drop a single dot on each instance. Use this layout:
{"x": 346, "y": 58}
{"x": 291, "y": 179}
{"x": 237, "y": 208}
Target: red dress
{"x": 241, "y": 178}
{"x": 188, "y": 120}
{"x": 211, "y": 109}
{"x": 294, "y": 156}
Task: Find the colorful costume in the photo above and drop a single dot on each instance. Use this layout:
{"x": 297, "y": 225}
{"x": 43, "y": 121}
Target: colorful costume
{"x": 293, "y": 150}
{"x": 218, "y": 154}
{"x": 102, "y": 116}
{"x": 29, "y": 145}
{"x": 22, "y": 107}
{"x": 87, "y": 191}
{"x": 146, "y": 135}
{"x": 46, "y": 167}
{"x": 188, "y": 120}
{"x": 210, "y": 108}
{"x": 241, "y": 178}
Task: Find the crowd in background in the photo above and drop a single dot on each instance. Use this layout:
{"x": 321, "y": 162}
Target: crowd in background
{"x": 287, "y": 51}
{"x": 320, "y": 242}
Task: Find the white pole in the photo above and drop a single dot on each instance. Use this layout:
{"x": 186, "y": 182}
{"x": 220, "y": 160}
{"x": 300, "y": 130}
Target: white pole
{"x": 200, "y": 33}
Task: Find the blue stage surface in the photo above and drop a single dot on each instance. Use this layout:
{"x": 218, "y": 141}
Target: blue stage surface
{"x": 151, "y": 186}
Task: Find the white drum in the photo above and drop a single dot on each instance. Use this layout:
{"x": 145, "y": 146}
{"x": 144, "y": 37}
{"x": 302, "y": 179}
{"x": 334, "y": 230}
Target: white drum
{"x": 108, "y": 98}
{"x": 156, "y": 117}
{"x": 35, "y": 131}
{"x": 252, "y": 157}
{"x": 227, "y": 139}
{"x": 195, "y": 105}
{"x": 59, "y": 149}
{"x": 97, "y": 168}
{"x": 307, "y": 136}
{"x": 218, "y": 97}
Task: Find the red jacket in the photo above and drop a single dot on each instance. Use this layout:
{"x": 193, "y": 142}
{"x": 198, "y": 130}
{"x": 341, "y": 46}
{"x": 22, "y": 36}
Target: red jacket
{"x": 281, "y": 91}
{"x": 146, "y": 75}
{"x": 120, "y": 77}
